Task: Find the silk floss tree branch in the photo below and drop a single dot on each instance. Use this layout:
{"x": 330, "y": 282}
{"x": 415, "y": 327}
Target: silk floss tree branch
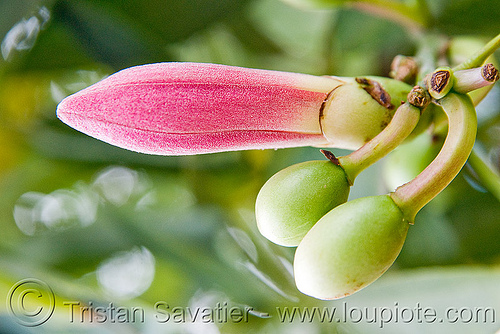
{"x": 342, "y": 246}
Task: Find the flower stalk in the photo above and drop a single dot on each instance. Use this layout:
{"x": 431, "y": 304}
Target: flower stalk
{"x": 462, "y": 127}
{"x": 402, "y": 124}
{"x": 475, "y": 78}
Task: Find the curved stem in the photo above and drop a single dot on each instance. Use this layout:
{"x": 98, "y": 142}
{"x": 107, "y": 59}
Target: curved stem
{"x": 462, "y": 127}
{"x": 480, "y": 57}
{"x": 490, "y": 179}
{"x": 402, "y": 124}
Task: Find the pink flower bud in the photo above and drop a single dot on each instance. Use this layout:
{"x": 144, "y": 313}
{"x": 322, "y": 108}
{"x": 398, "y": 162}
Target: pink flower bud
{"x": 190, "y": 108}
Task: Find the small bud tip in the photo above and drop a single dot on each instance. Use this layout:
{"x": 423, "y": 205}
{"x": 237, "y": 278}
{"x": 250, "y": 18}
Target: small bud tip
{"x": 490, "y": 73}
{"x": 439, "y": 80}
{"x": 418, "y": 97}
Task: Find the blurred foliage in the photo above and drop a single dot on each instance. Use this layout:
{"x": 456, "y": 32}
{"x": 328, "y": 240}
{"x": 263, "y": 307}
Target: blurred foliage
{"x": 77, "y": 213}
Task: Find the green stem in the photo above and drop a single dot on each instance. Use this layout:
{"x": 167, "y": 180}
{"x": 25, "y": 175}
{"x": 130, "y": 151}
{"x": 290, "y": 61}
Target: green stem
{"x": 462, "y": 127}
{"x": 402, "y": 124}
{"x": 490, "y": 178}
{"x": 408, "y": 17}
{"x": 480, "y": 57}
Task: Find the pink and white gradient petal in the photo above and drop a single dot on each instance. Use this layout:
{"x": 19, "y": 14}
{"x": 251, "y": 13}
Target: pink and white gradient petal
{"x": 193, "y": 108}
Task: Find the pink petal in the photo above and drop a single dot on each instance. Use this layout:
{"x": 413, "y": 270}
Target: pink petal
{"x": 191, "y": 108}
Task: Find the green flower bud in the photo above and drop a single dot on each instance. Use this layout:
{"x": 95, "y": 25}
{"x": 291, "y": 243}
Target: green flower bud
{"x": 295, "y": 198}
{"x": 350, "y": 247}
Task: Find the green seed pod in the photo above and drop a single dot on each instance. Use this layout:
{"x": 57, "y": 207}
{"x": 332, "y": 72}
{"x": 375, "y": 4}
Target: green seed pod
{"x": 295, "y": 198}
{"x": 350, "y": 247}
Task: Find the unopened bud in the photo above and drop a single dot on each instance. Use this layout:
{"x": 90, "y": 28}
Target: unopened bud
{"x": 404, "y": 69}
{"x": 440, "y": 82}
{"x": 418, "y": 97}
{"x": 475, "y": 78}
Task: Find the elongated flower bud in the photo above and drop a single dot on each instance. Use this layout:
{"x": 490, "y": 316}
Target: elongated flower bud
{"x": 187, "y": 108}
{"x": 190, "y": 108}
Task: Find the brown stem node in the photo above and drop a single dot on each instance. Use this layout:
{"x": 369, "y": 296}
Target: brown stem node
{"x": 418, "y": 97}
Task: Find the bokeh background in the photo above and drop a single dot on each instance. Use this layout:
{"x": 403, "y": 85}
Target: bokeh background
{"x": 100, "y": 224}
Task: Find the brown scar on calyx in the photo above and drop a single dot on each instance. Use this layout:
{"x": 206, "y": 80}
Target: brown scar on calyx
{"x": 330, "y": 156}
{"x": 376, "y": 91}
